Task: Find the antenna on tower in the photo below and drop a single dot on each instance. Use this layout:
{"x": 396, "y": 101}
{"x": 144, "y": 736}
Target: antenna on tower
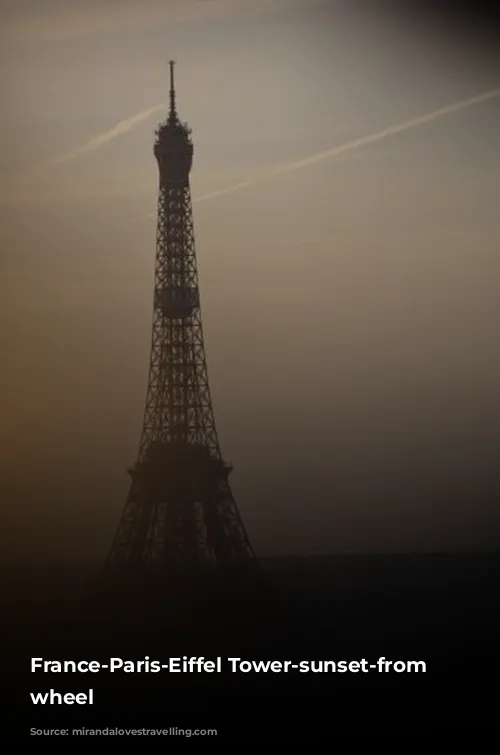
{"x": 172, "y": 113}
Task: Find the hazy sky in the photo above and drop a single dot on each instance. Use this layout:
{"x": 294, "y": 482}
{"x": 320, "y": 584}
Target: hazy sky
{"x": 350, "y": 306}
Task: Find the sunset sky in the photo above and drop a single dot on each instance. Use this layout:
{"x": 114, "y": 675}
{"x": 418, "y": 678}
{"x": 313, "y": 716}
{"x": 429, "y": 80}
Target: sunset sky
{"x": 350, "y": 305}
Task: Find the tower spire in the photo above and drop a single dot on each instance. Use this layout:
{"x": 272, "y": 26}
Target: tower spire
{"x": 172, "y": 116}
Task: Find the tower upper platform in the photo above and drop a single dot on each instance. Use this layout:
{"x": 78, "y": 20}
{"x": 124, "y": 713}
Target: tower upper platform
{"x": 173, "y": 147}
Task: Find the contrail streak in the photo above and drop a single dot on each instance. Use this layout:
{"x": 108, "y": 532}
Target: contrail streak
{"x": 122, "y": 127}
{"x": 347, "y": 147}
{"x": 356, "y": 143}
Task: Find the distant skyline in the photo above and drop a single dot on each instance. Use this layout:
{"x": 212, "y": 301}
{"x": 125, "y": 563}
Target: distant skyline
{"x": 350, "y": 305}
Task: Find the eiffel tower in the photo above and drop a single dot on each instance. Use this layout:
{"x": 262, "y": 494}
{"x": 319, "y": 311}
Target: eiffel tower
{"x": 180, "y": 513}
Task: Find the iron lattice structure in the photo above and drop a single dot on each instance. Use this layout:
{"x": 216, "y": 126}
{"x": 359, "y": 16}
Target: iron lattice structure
{"x": 180, "y": 512}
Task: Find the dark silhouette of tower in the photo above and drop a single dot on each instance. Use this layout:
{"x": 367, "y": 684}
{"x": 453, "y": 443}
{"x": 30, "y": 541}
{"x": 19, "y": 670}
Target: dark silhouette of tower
{"x": 180, "y": 513}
